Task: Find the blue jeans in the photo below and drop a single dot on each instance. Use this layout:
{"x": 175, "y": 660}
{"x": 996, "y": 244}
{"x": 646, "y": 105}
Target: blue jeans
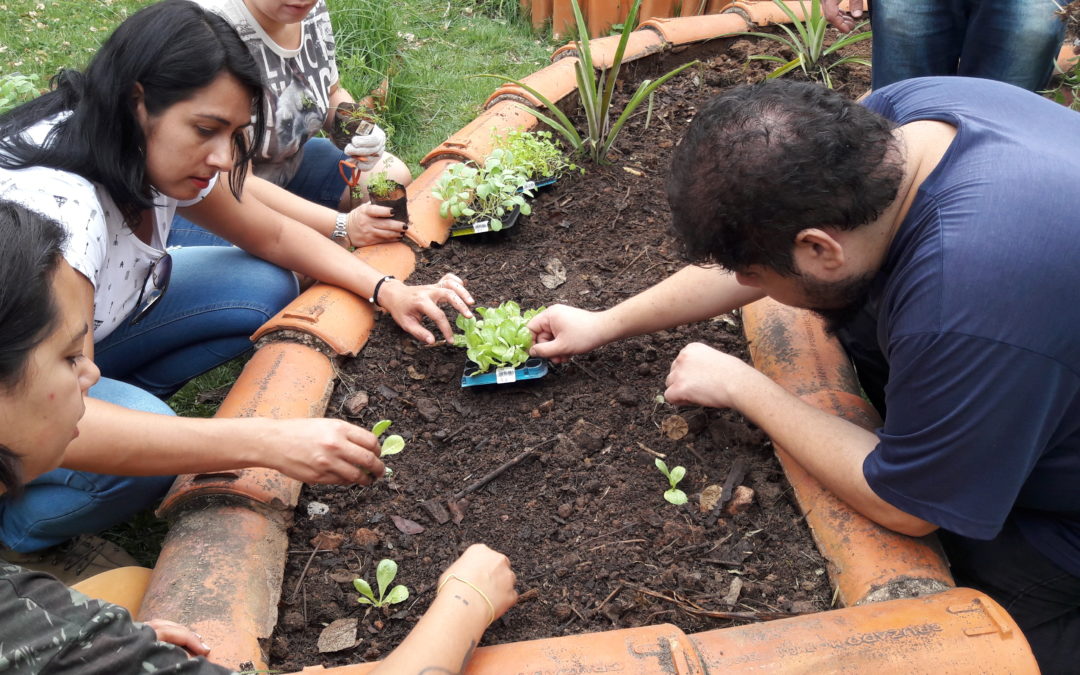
{"x": 217, "y": 297}
{"x": 316, "y": 180}
{"x": 1014, "y": 41}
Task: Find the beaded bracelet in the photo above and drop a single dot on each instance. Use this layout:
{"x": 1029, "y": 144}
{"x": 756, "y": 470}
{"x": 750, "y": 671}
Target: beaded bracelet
{"x": 472, "y": 586}
{"x": 374, "y": 299}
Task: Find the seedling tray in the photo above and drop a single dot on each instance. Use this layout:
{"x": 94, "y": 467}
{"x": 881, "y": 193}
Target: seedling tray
{"x": 483, "y": 226}
{"x": 530, "y": 370}
{"x": 535, "y": 185}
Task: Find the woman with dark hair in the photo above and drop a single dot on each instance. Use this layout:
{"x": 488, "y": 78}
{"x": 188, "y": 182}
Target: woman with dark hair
{"x": 112, "y": 154}
{"x": 44, "y": 375}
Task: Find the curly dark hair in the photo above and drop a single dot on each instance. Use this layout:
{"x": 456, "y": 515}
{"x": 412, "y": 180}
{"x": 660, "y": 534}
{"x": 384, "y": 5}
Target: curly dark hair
{"x": 762, "y": 162}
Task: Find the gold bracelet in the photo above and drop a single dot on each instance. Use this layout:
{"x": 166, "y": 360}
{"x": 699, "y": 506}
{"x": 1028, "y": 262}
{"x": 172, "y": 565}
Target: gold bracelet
{"x": 472, "y": 586}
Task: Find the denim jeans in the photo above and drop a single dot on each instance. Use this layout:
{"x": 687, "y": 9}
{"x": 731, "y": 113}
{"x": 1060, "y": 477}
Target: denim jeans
{"x": 316, "y": 180}
{"x": 1014, "y": 41}
{"x": 217, "y": 297}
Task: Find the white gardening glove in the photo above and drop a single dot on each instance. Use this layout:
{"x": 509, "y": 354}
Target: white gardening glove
{"x": 367, "y": 149}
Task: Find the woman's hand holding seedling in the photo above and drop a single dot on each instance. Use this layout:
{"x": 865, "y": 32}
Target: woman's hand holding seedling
{"x": 366, "y": 150}
{"x": 370, "y": 224}
{"x": 489, "y": 572}
{"x": 408, "y": 305}
{"x": 318, "y": 450}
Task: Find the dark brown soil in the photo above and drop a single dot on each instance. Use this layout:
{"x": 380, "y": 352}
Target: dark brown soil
{"x": 584, "y": 521}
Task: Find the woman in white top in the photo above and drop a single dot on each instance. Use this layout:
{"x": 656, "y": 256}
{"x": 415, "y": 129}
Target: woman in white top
{"x": 165, "y": 106}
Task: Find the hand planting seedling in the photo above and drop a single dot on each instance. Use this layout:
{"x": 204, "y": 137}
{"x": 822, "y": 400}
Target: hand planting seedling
{"x": 391, "y": 445}
{"x": 673, "y": 495}
{"x": 499, "y": 338}
{"x": 384, "y": 574}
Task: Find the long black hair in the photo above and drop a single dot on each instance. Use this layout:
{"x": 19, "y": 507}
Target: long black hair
{"x": 29, "y": 259}
{"x": 172, "y": 49}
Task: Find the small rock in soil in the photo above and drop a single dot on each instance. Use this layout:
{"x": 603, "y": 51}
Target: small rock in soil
{"x": 387, "y": 392}
{"x": 294, "y": 619}
{"x": 566, "y": 510}
{"x": 741, "y": 499}
{"x": 588, "y": 436}
{"x": 315, "y": 509}
{"x": 437, "y": 511}
{"x": 427, "y": 408}
{"x": 356, "y": 403}
{"x": 365, "y": 538}
{"x": 562, "y": 611}
{"x": 626, "y": 396}
{"x": 340, "y": 634}
{"x": 733, "y": 592}
{"x": 327, "y": 541}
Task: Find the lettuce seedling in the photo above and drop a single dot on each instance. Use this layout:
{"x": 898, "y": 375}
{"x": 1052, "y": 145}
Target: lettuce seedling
{"x": 674, "y": 495}
{"x": 499, "y": 339}
{"x": 392, "y": 444}
{"x": 384, "y": 574}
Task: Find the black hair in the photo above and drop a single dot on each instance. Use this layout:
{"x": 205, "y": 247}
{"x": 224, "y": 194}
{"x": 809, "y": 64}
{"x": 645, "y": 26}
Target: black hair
{"x": 29, "y": 258}
{"x": 172, "y": 49}
{"x": 762, "y": 162}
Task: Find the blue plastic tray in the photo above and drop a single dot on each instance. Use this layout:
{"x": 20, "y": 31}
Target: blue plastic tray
{"x": 531, "y": 370}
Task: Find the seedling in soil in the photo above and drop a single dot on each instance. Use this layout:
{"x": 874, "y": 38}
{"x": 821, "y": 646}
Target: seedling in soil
{"x": 595, "y": 93}
{"x": 499, "y": 338}
{"x": 392, "y": 444}
{"x": 674, "y": 495}
{"x": 384, "y": 575}
{"x": 807, "y": 42}
{"x": 380, "y": 187}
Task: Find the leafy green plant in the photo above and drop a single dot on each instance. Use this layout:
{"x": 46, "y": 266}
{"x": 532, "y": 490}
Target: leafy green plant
{"x": 595, "y": 93}
{"x": 536, "y": 154}
{"x": 807, "y": 41}
{"x": 499, "y": 338}
{"x": 674, "y": 494}
{"x": 380, "y": 186}
{"x": 392, "y": 444}
{"x": 488, "y": 192}
{"x": 15, "y": 88}
{"x": 384, "y": 575}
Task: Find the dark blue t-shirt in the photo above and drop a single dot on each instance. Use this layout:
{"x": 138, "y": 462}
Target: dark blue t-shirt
{"x": 979, "y": 319}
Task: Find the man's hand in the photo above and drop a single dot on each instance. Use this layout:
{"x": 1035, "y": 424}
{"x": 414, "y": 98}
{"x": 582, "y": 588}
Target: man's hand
{"x": 560, "y": 332}
{"x": 367, "y": 149}
{"x": 701, "y": 375}
{"x": 843, "y": 21}
{"x": 408, "y": 305}
{"x": 370, "y": 224}
{"x": 316, "y": 450}
{"x": 181, "y": 636}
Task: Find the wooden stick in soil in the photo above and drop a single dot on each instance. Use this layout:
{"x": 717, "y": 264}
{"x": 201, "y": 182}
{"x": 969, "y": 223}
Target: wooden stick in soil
{"x": 495, "y": 473}
{"x": 303, "y": 573}
{"x": 734, "y": 477}
{"x": 738, "y": 616}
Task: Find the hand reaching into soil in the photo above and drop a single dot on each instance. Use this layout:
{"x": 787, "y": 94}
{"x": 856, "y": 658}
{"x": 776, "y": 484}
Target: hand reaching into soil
{"x": 370, "y": 224}
{"x": 843, "y": 21}
{"x": 561, "y": 331}
{"x": 701, "y": 375}
{"x": 481, "y": 569}
{"x": 181, "y": 636}
{"x": 320, "y": 451}
{"x": 408, "y": 305}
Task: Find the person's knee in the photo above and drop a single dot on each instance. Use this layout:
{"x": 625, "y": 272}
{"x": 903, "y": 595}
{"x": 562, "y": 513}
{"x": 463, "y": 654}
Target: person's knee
{"x": 128, "y": 396}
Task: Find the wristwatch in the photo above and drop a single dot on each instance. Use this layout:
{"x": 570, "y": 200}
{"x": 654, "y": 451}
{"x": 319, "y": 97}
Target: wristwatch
{"x": 341, "y": 232}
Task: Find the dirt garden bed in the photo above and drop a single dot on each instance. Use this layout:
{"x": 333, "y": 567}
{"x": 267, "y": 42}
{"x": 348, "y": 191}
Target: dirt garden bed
{"x": 582, "y": 518}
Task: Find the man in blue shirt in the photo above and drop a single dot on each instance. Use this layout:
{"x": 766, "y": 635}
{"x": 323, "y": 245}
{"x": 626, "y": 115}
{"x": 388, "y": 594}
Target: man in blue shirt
{"x": 935, "y": 228}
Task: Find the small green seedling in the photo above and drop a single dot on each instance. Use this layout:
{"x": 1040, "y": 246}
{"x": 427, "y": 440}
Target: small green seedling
{"x": 384, "y": 574}
{"x": 674, "y": 495}
{"x": 392, "y": 444}
{"x": 380, "y": 186}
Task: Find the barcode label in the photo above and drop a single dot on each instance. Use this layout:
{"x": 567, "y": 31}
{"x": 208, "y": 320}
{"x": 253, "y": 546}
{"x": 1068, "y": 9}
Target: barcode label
{"x": 504, "y": 375}
{"x": 529, "y": 185}
{"x": 481, "y": 226}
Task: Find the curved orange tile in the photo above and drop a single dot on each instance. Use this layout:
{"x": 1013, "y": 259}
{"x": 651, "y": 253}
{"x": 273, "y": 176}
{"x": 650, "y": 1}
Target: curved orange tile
{"x": 640, "y": 44}
{"x": 765, "y": 13}
{"x": 474, "y": 142}
{"x": 867, "y": 562}
{"x": 426, "y": 226}
{"x": 684, "y": 31}
{"x": 555, "y": 82}
{"x": 338, "y": 317}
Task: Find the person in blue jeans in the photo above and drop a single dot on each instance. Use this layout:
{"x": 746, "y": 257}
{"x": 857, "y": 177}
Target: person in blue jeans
{"x": 293, "y": 43}
{"x": 161, "y": 123}
{"x": 1014, "y": 41}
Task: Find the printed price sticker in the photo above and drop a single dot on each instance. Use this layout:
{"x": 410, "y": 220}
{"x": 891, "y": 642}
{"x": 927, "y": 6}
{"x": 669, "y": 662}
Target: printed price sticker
{"x": 505, "y": 375}
{"x": 481, "y": 226}
{"x": 529, "y": 185}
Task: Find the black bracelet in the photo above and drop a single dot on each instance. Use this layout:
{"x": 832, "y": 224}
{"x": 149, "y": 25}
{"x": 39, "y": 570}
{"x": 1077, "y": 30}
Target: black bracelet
{"x": 374, "y": 299}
